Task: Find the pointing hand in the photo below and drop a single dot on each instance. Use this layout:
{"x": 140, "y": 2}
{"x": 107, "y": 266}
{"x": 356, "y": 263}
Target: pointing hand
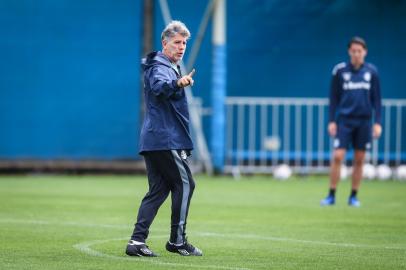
{"x": 186, "y": 80}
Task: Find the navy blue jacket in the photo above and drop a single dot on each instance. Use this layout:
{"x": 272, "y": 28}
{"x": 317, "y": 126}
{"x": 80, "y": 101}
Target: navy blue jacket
{"x": 355, "y": 93}
{"x": 166, "y": 122}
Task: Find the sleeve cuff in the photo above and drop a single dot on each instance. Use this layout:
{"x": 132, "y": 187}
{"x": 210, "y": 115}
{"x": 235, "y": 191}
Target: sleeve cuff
{"x": 175, "y": 85}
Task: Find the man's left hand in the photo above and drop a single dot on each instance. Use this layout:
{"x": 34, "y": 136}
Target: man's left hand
{"x": 376, "y": 131}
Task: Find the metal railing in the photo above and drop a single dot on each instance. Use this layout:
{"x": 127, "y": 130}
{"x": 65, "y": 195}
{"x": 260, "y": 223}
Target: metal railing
{"x": 263, "y": 132}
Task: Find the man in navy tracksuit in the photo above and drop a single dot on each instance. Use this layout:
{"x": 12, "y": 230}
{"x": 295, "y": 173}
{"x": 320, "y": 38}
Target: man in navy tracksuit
{"x": 355, "y": 115}
{"x": 166, "y": 144}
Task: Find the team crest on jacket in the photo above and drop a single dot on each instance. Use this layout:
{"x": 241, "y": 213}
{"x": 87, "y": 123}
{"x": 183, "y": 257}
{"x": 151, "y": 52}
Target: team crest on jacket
{"x": 367, "y": 76}
{"x": 346, "y": 76}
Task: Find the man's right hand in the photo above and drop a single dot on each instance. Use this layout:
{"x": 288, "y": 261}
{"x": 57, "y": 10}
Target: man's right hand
{"x": 332, "y": 129}
{"x": 186, "y": 80}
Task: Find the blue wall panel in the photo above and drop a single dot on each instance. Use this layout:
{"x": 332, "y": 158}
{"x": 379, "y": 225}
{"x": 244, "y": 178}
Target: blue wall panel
{"x": 288, "y": 48}
{"x": 69, "y": 69}
{"x": 69, "y": 79}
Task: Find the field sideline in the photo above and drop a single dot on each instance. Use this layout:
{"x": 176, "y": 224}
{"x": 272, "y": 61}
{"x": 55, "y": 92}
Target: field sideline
{"x": 84, "y": 222}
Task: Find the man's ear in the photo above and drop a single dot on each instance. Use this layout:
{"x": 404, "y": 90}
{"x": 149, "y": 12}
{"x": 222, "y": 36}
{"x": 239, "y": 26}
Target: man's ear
{"x": 164, "y": 42}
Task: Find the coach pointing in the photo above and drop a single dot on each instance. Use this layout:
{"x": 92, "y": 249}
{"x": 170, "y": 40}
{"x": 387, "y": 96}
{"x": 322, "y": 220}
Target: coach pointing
{"x": 165, "y": 143}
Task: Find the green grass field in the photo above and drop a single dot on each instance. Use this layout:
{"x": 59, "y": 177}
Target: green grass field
{"x": 84, "y": 222}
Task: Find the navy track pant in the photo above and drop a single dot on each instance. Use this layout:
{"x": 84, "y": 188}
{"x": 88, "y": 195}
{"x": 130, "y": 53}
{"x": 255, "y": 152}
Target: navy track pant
{"x": 168, "y": 172}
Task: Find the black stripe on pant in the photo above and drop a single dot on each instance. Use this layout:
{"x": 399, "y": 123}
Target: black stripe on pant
{"x": 167, "y": 173}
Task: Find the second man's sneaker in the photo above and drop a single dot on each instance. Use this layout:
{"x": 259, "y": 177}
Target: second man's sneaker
{"x": 184, "y": 249}
{"x": 353, "y": 201}
{"x": 140, "y": 250}
{"x": 329, "y": 200}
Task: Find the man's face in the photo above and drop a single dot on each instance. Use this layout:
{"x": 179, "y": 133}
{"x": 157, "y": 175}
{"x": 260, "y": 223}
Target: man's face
{"x": 357, "y": 54}
{"x": 175, "y": 47}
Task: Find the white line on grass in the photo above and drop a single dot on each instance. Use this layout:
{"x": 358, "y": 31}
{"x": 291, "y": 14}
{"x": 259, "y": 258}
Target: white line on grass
{"x": 209, "y": 234}
{"x": 86, "y": 248}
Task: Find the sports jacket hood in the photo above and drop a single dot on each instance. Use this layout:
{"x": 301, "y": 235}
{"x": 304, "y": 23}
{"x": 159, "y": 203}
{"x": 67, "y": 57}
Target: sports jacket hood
{"x": 155, "y": 58}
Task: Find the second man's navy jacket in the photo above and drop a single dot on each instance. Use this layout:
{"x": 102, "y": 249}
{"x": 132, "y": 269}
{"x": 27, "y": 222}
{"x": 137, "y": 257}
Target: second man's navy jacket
{"x": 166, "y": 121}
{"x": 355, "y": 93}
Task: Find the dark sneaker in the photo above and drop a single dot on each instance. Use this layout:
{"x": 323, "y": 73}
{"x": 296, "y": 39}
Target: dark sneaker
{"x": 139, "y": 250}
{"x": 184, "y": 249}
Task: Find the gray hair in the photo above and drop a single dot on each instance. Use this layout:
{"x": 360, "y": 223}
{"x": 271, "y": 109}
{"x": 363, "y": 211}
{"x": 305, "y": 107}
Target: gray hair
{"x": 173, "y": 28}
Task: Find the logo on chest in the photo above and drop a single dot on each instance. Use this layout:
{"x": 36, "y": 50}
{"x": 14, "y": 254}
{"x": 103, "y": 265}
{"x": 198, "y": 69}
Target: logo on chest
{"x": 346, "y": 76}
{"x": 367, "y": 76}
{"x": 358, "y": 83}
